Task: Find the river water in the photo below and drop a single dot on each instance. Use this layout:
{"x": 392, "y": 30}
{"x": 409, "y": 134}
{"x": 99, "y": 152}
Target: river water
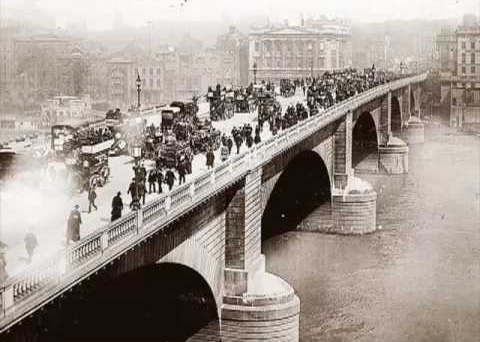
{"x": 416, "y": 279}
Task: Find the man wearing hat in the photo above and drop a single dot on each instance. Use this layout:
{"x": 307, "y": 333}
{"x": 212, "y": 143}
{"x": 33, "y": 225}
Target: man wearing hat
{"x": 74, "y": 222}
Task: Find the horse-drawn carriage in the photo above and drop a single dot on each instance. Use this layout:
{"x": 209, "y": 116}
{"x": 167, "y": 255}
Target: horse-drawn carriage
{"x": 241, "y": 102}
{"x": 171, "y": 150}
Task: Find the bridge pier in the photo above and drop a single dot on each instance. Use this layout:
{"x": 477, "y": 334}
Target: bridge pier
{"x": 354, "y": 206}
{"x": 257, "y": 305}
{"x": 414, "y": 131}
{"x": 393, "y": 157}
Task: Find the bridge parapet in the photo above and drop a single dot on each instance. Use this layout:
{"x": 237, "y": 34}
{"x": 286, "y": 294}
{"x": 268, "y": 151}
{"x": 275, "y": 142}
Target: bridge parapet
{"x": 23, "y": 294}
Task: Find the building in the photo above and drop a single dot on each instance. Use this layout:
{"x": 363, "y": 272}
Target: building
{"x": 60, "y": 108}
{"x": 298, "y": 51}
{"x": 446, "y": 47}
{"x": 153, "y": 72}
{"x": 234, "y": 47}
{"x": 465, "y": 83}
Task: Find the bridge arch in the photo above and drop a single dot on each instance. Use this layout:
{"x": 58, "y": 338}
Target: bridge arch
{"x": 396, "y": 115}
{"x": 365, "y": 139}
{"x": 160, "y": 302}
{"x": 302, "y": 186}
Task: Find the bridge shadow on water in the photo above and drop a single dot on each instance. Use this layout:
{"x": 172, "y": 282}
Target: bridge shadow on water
{"x": 162, "y": 302}
{"x": 302, "y": 187}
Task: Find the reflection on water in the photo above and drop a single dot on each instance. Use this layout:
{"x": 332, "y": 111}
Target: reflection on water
{"x": 418, "y": 278}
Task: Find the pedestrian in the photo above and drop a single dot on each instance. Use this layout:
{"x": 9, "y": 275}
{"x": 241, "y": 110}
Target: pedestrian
{"x": 229, "y": 145}
{"x": 249, "y": 141}
{"x": 224, "y": 153}
{"x": 170, "y": 178}
{"x": 152, "y": 179}
{"x": 160, "y": 180}
{"x": 30, "y": 244}
{"x": 257, "y": 139}
{"x": 142, "y": 190}
{"x": 132, "y": 190}
{"x": 117, "y": 207}
{"x": 92, "y": 195}
{"x": 210, "y": 159}
{"x": 238, "y": 141}
{"x": 182, "y": 170}
{"x": 74, "y": 222}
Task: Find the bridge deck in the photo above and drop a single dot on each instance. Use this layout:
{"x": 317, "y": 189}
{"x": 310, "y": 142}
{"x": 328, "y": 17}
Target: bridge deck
{"x": 35, "y": 286}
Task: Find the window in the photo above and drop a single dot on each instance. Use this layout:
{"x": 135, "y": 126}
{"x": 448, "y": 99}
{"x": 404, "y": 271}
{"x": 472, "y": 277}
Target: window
{"x": 321, "y": 62}
{"x": 257, "y": 46}
{"x": 158, "y": 71}
{"x": 464, "y": 70}
{"x": 151, "y": 81}
{"x": 472, "y": 57}
{"x": 464, "y": 45}
{"x": 143, "y": 71}
{"x": 464, "y": 58}
{"x": 472, "y": 70}
{"x": 472, "y": 45}
{"x": 322, "y": 46}
{"x": 158, "y": 82}
{"x": 151, "y": 72}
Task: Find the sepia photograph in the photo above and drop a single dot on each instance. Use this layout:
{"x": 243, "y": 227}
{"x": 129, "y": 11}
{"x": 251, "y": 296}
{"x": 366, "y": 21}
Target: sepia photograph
{"x": 239, "y": 170}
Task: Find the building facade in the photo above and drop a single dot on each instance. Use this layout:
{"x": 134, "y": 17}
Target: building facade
{"x": 297, "y": 51}
{"x": 465, "y": 82}
{"x": 60, "y": 108}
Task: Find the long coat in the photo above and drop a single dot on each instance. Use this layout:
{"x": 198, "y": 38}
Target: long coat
{"x": 74, "y": 221}
{"x": 117, "y": 207}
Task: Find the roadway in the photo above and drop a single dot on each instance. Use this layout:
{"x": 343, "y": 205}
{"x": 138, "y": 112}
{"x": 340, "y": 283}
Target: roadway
{"x": 34, "y": 202}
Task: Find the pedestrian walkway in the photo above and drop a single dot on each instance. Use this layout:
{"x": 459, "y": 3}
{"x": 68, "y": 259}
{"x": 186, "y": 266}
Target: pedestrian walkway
{"x": 44, "y": 206}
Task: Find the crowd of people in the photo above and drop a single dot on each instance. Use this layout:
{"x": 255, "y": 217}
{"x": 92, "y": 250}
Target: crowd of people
{"x": 321, "y": 93}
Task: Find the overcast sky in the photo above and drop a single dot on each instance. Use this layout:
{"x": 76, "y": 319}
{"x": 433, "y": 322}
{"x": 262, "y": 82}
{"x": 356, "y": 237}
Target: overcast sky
{"x": 100, "y": 14}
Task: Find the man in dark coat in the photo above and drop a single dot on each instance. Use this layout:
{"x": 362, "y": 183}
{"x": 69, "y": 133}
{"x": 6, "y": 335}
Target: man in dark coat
{"x": 117, "y": 207}
{"x": 92, "y": 195}
{"x": 132, "y": 190}
{"x": 160, "y": 179}
{"x": 210, "y": 159}
{"x": 229, "y": 145}
{"x": 74, "y": 222}
{"x": 152, "y": 178}
{"x": 257, "y": 139}
{"x": 238, "y": 141}
{"x": 249, "y": 140}
{"x": 170, "y": 179}
{"x": 182, "y": 170}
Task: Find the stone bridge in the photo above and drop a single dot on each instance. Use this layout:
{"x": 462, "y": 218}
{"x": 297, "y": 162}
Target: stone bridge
{"x": 198, "y": 249}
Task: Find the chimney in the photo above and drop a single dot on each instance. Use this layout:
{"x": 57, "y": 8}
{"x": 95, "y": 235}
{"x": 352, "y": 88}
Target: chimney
{"x": 302, "y": 20}
{"x": 285, "y": 22}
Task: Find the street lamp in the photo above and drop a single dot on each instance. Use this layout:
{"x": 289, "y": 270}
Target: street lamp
{"x": 137, "y": 156}
{"x": 138, "y": 82}
{"x": 254, "y": 72}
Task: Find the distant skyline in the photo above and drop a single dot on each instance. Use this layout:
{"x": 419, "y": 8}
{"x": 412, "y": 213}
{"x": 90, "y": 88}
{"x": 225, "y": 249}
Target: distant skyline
{"x": 100, "y": 15}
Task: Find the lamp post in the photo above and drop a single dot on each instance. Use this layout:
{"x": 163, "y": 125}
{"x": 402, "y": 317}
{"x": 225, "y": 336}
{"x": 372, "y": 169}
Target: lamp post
{"x": 137, "y": 156}
{"x": 138, "y": 82}
{"x": 254, "y": 72}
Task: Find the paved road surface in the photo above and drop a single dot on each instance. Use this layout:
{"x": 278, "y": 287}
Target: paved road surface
{"x": 43, "y": 206}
